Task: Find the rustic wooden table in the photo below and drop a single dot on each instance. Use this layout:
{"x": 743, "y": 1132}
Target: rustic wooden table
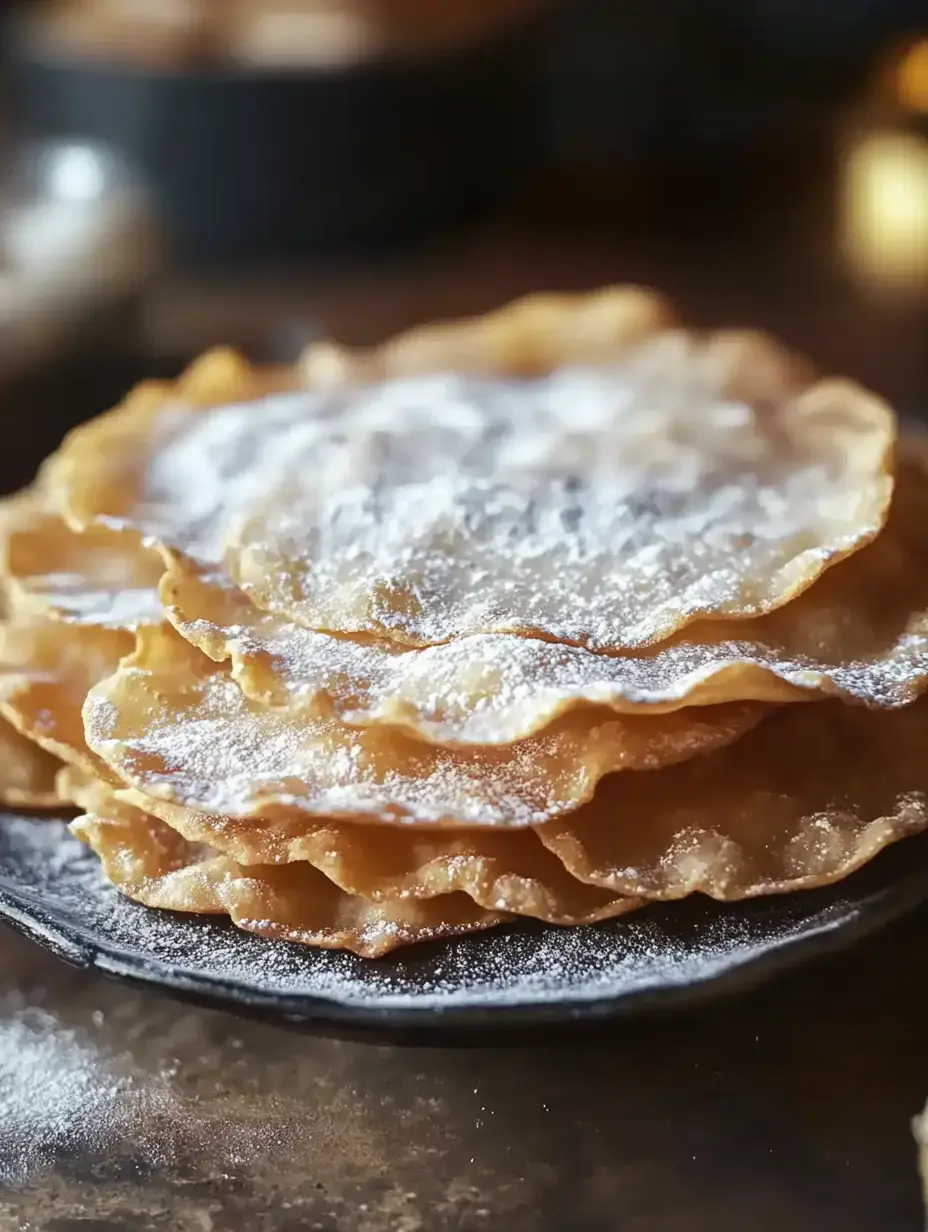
{"x": 789, "y": 1108}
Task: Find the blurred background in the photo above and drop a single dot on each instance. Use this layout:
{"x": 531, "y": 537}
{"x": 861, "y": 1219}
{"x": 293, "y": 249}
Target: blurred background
{"x": 179, "y": 173}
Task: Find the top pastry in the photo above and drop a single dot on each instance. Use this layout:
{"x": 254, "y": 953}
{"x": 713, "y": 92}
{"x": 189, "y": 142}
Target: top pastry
{"x": 604, "y": 504}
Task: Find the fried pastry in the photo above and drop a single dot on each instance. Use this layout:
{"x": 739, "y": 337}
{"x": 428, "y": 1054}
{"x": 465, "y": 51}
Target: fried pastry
{"x": 810, "y": 795}
{"x": 95, "y": 578}
{"x": 94, "y": 475}
{"x": 693, "y": 478}
{"x": 176, "y": 726}
{"x": 100, "y": 582}
{"x": 27, "y": 772}
{"x": 861, "y": 632}
{"x": 506, "y": 618}
{"x": 46, "y": 670}
{"x": 599, "y": 507}
{"x": 151, "y": 863}
{"x": 530, "y": 336}
{"x": 500, "y": 870}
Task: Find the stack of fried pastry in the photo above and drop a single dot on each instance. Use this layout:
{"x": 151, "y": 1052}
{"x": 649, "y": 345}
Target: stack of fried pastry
{"x": 552, "y": 613}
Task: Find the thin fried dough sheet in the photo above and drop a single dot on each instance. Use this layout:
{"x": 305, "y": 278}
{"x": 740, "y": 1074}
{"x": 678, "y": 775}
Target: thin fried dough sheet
{"x": 95, "y": 474}
{"x": 27, "y": 773}
{"x": 153, "y": 865}
{"x": 810, "y": 795}
{"x": 176, "y": 726}
{"x": 46, "y": 670}
{"x": 500, "y": 871}
{"x": 861, "y": 632}
{"x": 695, "y": 477}
{"x": 96, "y": 577}
{"x": 529, "y": 336}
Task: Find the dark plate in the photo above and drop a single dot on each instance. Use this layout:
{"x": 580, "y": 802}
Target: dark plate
{"x": 667, "y": 956}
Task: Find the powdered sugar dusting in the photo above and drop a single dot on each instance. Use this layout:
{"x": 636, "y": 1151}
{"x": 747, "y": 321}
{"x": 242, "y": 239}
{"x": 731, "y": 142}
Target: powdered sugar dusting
{"x": 82, "y": 602}
{"x": 840, "y": 637}
{"x": 598, "y": 506}
{"x": 860, "y": 631}
{"x": 178, "y": 728}
{"x": 604, "y": 508}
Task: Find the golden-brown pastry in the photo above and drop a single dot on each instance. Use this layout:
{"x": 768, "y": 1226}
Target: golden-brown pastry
{"x": 860, "y": 631}
{"x": 500, "y": 871}
{"x": 151, "y": 863}
{"x": 810, "y": 795}
{"x": 176, "y": 726}
{"x": 604, "y": 507}
{"x": 408, "y": 653}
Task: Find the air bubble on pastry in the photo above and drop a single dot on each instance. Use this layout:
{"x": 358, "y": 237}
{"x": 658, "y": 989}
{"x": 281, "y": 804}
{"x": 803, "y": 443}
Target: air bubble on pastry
{"x": 176, "y": 726}
{"x": 810, "y": 795}
{"x": 150, "y": 863}
{"x": 861, "y": 631}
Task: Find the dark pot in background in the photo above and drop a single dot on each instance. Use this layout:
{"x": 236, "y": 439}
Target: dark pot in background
{"x": 267, "y": 167}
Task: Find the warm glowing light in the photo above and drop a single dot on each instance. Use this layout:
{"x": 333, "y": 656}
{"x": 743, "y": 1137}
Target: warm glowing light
{"x": 912, "y": 78}
{"x": 886, "y": 209}
{"x": 77, "y": 174}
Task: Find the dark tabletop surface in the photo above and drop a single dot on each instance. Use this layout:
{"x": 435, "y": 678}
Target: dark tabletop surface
{"x": 789, "y": 1108}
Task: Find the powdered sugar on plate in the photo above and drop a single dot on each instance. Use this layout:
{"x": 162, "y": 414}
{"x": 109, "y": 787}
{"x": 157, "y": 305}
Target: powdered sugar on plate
{"x": 51, "y": 887}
